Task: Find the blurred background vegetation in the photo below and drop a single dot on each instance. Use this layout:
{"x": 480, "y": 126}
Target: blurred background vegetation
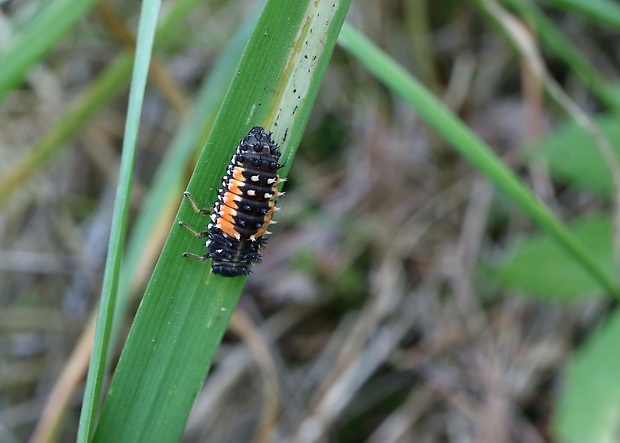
{"x": 392, "y": 304}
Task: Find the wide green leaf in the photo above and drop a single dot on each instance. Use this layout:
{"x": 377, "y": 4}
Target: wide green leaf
{"x": 539, "y": 267}
{"x": 589, "y": 404}
{"x": 573, "y": 156}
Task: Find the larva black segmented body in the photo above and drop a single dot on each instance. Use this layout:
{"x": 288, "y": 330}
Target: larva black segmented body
{"x": 244, "y": 206}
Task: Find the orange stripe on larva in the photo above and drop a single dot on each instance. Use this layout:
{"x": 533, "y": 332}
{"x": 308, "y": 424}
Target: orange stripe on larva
{"x": 230, "y": 200}
{"x": 238, "y": 174}
{"x": 235, "y": 186}
{"x": 228, "y": 228}
{"x": 227, "y": 213}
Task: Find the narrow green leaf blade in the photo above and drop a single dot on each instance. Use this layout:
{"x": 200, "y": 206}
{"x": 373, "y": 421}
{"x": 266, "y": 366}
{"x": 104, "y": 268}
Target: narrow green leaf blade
{"x": 47, "y": 28}
{"x": 599, "y": 11}
{"x": 560, "y": 45}
{"x": 167, "y": 184}
{"x": 185, "y": 310}
{"x": 88, "y": 104}
{"x": 96, "y": 370}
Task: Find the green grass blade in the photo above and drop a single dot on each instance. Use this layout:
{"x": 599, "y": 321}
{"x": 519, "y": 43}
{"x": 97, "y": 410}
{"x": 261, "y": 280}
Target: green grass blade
{"x": 553, "y": 38}
{"x": 47, "y": 28}
{"x": 90, "y": 102}
{"x": 470, "y": 147}
{"x": 96, "y": 370}
{"x": 185, "y": 310}
{"x": 94, "y": 98}
{"x": 599, "y": 11}
{"x": 167, "y": 185}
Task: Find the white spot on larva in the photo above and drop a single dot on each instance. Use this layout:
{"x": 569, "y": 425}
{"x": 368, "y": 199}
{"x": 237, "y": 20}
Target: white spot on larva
{"x": 251, "y": 192}
{"x": 255, "y": 178}
{"x": 268, "y": 195}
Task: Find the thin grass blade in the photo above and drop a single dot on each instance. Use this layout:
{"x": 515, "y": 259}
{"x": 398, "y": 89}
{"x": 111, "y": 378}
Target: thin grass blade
{"x": 471, "y": 148}
{"x": 47, "y": 28}
{"x": 96, "y": 371}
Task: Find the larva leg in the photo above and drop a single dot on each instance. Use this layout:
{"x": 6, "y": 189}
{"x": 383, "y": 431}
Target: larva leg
{"x": 196, "y": 256}
{"x": 193, "y": 231}
{"x": 192, "y": 201}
